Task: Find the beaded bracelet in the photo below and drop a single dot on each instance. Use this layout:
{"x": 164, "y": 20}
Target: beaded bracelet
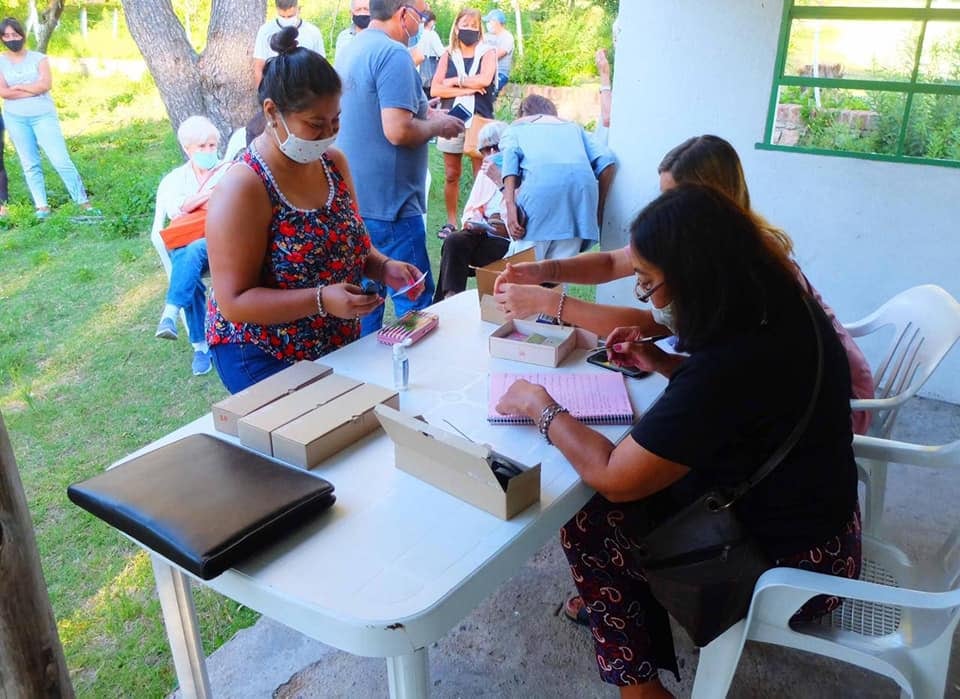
{"x": 563, "y": 297}
{"x": 546, "y": 419}
{"x": 321, "y": 311}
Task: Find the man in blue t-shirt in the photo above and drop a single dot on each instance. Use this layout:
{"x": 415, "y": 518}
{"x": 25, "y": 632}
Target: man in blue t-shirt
{"x": 384, "y": 129}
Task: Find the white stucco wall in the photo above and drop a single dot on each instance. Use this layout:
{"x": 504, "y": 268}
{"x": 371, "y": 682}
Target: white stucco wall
{"x": 863, "y": 230}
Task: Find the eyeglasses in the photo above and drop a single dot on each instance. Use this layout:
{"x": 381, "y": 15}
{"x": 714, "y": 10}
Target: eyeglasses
{"x": 486, "y": 150}
{"x": 643, "y": 292}
{"x": 421, "y": 15}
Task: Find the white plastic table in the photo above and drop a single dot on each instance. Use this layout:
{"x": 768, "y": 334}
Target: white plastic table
{"x": 396, "y": 563}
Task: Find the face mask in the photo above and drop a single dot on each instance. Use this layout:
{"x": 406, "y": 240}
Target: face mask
{"x": 490, "y": 27}
{"x": 300, "y": 150}
{"x": 361, "y": 21}
{"x": 205, "y": 159}
{"x": 13, "y": 44}
{"x": 415, "y": 39}
{"x": 665, "y": 317}
{"x": 468, "y": 37}
{"x": 289, "y": 21}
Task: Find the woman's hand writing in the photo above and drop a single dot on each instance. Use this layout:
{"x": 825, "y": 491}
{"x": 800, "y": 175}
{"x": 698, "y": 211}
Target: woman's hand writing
{"x": 522, "y": 300}
{"x": 624, "y": 348}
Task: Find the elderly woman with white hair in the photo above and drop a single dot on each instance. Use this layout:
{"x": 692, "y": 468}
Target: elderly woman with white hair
{"x": 183, "y": 191}
{"x": 483, "y": 237}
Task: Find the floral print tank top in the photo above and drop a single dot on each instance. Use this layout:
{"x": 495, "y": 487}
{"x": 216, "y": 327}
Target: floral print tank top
{"x": 306, "y": 247}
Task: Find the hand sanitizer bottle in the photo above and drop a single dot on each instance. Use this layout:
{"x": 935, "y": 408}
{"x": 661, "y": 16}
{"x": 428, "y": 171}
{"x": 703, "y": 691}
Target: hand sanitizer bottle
{"x": 401, "y": 365}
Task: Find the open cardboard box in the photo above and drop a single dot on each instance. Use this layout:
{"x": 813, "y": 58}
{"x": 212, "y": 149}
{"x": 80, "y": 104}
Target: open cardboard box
{"x": 322, "y": 432}
{"x": 460, "y": 467}
{"x": 255, "y": 430}
{"x": 228, "y": 412}
{"x": 545, "y": 344}
{"x": 486, "y": 276}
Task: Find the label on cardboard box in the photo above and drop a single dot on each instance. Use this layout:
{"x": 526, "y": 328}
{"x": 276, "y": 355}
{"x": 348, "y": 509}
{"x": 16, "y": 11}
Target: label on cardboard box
{"x": 255, "y": 429}
{"x": 228, "y": 411}
{"x": 458, "y": 466}
{"x": 322, "y": 432}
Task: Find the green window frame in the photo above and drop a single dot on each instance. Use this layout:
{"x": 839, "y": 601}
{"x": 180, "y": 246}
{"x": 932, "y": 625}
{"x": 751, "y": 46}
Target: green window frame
{"x": 909, "y": 88}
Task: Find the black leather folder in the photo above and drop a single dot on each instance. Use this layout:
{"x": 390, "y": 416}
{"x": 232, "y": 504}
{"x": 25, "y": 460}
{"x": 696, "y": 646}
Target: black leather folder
{"x": 203, "y": 503}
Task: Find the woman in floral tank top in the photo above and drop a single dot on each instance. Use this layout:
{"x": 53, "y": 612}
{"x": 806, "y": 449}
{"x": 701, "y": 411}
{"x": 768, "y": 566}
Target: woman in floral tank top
{"x": 287, "y": 247}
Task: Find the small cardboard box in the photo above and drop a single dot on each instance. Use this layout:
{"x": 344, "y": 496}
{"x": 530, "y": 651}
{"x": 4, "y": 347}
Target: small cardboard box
{"x": 458, "y": 466}
{"x": 227, "y": 412}
{"x": 486, "y": 276}
{"x": 255, "y": 429}
{"x": 312, "y": 437}
{"x": 538, "y": 343}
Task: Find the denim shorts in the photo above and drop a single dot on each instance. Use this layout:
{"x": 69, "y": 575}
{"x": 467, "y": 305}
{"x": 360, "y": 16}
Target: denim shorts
{"x": 240, "y": 365}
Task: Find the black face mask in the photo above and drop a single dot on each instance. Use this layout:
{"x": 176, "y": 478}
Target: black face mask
{"x": 362, "y": 21}
{"x": 13, "y": 44}
{"x": 468, "y": 37}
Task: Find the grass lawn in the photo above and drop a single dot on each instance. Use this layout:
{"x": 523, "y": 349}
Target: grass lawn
{"x": 83, "y": 381}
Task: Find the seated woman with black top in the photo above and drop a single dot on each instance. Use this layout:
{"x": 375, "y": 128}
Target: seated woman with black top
{"x": 734, "y": 301}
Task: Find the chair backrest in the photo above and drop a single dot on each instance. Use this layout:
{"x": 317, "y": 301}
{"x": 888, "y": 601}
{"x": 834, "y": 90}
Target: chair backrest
{"x": 926, "y": 322}
{"x": 159, "y": 218}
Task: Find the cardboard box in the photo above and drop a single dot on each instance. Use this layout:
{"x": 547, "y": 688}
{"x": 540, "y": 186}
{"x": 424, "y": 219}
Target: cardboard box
{"x": 227, "y": 412}
{"x": 486, "y": 276}
{"x": 255, "y": 429}
{"x": 538, "y": 343}
{"x": 458, "y": 466}
{"x": 314, "y": 436}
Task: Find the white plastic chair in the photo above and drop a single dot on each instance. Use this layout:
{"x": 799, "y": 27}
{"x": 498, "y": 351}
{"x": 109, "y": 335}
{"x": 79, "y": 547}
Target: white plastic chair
{"x": 926, "y": 323}
{"x": 898, "y": 619}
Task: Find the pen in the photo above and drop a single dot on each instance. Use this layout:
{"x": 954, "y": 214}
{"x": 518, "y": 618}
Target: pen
{"x": 641, "y": 341}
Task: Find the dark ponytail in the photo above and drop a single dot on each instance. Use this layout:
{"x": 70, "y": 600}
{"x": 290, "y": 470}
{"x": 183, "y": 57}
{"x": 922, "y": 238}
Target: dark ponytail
{"x": 296, "y": 75}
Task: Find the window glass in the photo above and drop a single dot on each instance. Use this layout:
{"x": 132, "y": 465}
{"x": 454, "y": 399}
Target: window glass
{"x": 853, "y": 49}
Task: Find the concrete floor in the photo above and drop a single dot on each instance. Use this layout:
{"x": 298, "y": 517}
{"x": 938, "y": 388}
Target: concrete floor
{"x": 518, "y": 644}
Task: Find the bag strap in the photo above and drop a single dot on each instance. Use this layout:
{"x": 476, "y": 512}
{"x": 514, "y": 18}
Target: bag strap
{"x": 791, "y": 441}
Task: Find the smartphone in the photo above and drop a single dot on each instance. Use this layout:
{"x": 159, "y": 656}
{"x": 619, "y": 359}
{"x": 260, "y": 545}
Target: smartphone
{"x": 461, "y": 112}
{"x": 600, "y": 359}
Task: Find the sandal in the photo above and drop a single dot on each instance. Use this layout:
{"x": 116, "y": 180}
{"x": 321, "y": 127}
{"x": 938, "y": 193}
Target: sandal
{"x": 446, "y": 230}
{"x": 576, "y": 610}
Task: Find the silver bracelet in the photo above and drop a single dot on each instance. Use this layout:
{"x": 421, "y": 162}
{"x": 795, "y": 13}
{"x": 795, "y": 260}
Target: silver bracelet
{"x": 546, "y": 419}
{"x": 321, "y": 311}
{"x": 563, "y": 297}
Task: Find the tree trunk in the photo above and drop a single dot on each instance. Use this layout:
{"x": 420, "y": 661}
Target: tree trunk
{"x": 48, "y": 22}
{"x": 218, "y": 83}
{"x": 31, "y": 658}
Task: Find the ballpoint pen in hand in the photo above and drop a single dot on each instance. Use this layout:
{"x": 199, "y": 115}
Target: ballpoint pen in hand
{"x": 624, "y": 346}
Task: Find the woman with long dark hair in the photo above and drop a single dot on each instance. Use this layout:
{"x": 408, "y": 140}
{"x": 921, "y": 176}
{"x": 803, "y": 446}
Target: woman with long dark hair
{"x": 733, "y": 299}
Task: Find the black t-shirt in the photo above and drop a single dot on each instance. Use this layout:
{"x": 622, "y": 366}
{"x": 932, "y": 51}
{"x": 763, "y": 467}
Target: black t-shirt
{"x": 730, "y": 405}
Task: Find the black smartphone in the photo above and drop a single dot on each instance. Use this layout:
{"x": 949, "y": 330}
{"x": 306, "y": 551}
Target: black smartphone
{"x": 368, "y": 287}
{"x": 460, "y": 112}
{"x": 600, "y": 359}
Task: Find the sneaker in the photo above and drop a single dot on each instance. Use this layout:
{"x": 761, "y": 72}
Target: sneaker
{"x": 92, "y": 211}
{"x": 167, "y": 329}
{"x": 201, "y": 363}
{"x": 42, "y": 214}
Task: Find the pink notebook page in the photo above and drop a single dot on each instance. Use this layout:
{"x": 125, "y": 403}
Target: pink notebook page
{"x": 593, "y": 398}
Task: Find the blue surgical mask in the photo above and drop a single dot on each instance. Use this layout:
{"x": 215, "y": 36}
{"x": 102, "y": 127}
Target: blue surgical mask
{"x": 415, "y": 38}
{"x": 205, "y": 159}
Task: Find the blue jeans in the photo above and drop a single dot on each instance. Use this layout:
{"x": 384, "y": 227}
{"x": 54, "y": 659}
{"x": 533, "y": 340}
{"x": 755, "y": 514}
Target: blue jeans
{"x": 29, "y": 135}
{"x": 241, "y": 365}
{"x": 404, "y": 239}
{"x": 186, "y": 289}
{"x": 502, "y": 80}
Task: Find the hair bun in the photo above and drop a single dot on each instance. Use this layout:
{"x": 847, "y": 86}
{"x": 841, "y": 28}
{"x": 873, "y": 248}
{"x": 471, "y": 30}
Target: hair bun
{"x": 285, "y": 40}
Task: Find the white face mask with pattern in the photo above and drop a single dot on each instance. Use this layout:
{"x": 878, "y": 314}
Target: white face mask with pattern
{"x": 298, "y": 149}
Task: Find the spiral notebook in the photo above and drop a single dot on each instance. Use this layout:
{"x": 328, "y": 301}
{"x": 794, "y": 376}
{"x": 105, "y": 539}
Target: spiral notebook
{"x": 593, "y": 398}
